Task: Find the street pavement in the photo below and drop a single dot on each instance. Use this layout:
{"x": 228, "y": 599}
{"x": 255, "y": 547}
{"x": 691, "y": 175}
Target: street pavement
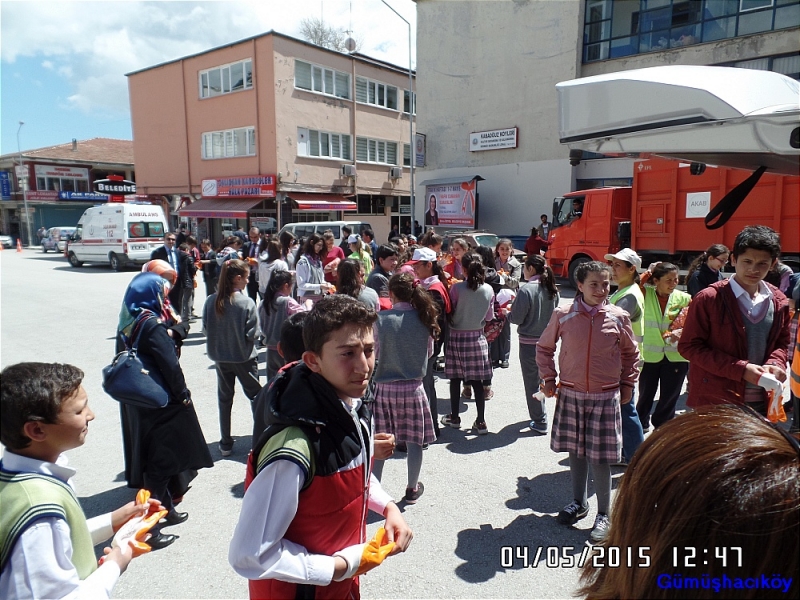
{"x": 489, "y": 503}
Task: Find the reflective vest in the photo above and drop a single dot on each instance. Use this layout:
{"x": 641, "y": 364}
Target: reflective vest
{"x": 636, "y": 292}
{"x": 795, "y": 370}
{"x": 654, "y": 348}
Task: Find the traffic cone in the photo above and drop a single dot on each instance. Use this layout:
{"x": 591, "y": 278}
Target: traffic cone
{"x": 19, "y": 245}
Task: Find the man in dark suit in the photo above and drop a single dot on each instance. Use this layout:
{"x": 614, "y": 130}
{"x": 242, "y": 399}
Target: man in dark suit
{"x": 250, "y": 254}
{"x": 169, "y": 253}
{"x": 186, "y": 273}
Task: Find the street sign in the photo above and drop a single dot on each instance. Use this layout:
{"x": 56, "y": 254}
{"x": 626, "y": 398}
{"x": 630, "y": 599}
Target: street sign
{"x": 21, "y": 171}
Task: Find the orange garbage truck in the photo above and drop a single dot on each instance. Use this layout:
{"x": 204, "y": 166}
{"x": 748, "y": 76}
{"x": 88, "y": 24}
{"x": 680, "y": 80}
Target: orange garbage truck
{"x": 662, "y": 217}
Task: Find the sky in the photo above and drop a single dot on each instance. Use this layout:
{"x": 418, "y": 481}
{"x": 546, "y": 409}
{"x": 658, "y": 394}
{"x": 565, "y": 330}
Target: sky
{"x": 63, "y": 63}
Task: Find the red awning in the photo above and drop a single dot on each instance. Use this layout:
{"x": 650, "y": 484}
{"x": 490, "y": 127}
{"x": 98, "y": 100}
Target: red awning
{"x": 322, "y": 202}
{"x": 220, "y": 208}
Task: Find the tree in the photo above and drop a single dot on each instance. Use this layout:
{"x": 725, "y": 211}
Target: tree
{"x": 321, "y": 34}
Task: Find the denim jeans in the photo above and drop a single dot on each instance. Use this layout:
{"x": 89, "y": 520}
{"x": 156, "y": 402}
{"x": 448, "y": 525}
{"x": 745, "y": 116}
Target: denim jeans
{"x": 632, "y": 436}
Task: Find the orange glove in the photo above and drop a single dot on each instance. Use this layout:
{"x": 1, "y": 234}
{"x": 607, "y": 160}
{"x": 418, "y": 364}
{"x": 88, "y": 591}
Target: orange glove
{"x": 136, "y": 530}
{"x": 361, "y": 558}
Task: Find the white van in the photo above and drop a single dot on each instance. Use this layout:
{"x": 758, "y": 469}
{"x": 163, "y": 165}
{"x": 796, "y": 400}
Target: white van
{"x": 301, "y": 230}
{"x": 117, "y": 234}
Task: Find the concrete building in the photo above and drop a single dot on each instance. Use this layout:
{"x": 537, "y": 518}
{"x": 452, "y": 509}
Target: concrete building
{"x": 270, "y": 130}
{"x": 60, "y": 182}
{"x": 489, "y": 69}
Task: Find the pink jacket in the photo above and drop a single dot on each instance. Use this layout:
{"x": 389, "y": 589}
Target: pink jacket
{"x": 597, "y": 353}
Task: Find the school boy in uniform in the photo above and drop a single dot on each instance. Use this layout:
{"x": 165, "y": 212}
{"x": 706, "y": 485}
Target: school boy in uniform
{"x": 302, "y": 528}
{"x": 738, "y": 329}
{"x": 46, "y": 543}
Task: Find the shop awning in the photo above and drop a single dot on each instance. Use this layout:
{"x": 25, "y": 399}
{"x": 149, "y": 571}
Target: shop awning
{"x": 220, "y": 208}
{"x": 322, "y": 202}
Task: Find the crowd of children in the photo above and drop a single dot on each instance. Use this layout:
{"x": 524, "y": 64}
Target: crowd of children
{"x": 321, "y": 435}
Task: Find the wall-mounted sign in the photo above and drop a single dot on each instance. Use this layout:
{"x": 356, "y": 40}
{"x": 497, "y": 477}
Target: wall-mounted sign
{"x": 46, "y": 195}
{"x": 62, "y": 172}
{"x": 116, "y": 187}
{"x": 5, "y": 185}
{"x": 419, "y": 149}
{"x": 83, "y": 196}
{"x": 255, "y": 186}
{"x": 452, "y": 202}
{"x": 497, "y": 139}
{"x": 698, "y": 204}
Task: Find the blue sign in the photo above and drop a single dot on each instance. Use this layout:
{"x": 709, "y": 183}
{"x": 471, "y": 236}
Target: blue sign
{"x": 5, "y": 185}
{"x": 83, "y": 196}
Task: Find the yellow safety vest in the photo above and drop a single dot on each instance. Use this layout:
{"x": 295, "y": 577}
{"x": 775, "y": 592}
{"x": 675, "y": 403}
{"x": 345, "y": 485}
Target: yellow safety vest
{"x": 633, "y": 290}
{"x": 654, "y": 347}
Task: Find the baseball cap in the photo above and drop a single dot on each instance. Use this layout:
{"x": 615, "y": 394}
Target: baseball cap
{"x": 422, "y": 255}
{"x": 627, "y": 255}
{"x": 353, "y": 239}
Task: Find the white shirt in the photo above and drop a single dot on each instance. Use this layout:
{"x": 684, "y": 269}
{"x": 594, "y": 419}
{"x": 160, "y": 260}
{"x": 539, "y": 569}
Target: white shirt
{"x": 258, "y": 549}
{"x": 40, "y": 565}
{"x": 753, "y": 306}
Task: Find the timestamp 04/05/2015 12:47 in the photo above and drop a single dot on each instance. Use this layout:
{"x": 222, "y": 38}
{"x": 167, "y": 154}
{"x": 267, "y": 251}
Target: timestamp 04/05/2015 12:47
{"x": 566, "y": 557}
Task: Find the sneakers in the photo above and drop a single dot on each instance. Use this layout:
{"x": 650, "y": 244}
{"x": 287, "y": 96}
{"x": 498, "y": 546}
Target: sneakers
{"x": 466, "y": 393}
{"x": 538, "y": 426}
{"x": 225, "y": 449}
{"x": 480, "y": 427}
{"x": 503, "y": 364}
{"x": 622, "y": 462}
{"x": 451, "y": 421}
{"x": 600, "y": 529}
{"x": 572, "y": 513}
{"x": 412, "y": 495}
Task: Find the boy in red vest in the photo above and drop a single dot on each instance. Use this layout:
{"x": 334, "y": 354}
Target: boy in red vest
{"x": 309, "y": 483}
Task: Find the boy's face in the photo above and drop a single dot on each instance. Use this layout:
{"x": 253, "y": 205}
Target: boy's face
{"x": 752, "y": 266}
{"x": 70, "y": 429}
{"x": 346, "y": 360}
{"x": 388, "y": 264}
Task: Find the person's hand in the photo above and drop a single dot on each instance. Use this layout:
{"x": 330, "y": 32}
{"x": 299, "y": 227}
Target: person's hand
{"x": 753, "y": 372}
{"x": 122, "y": 556}
{"x": 384, "y": 444}
{"x": 397, "y": 530}
{"x": 780, "y": 374}
{"x": 127, "y": 511}
{"x": 549, "y": 388}
{"x": 625, "y": 394}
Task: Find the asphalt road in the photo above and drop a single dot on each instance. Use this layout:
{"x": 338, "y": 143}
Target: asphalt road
{"x": 482, "y": 494}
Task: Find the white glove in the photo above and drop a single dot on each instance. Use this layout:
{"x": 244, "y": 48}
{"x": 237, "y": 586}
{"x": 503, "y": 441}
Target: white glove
{"x": 769, "y": 382}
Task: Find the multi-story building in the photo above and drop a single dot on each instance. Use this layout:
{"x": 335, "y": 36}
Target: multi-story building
{"x": 60, "y": 182}
{"x": 493, "y": 66}
{"x": 272, "y": 128}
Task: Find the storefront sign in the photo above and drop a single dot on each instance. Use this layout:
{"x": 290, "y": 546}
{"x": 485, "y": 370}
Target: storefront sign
{"x": 116, "y": 187}
{"x": 451, "y": 204}
{"x": 5, "y": 185}
{"x": 62, "y": 172}
{"x": 254, "y": 186}
{"x": 497, "y": 139}
{"x": 45, "y": 195}
{"x": 419, "y": 149}
{"x": 83, "y": 196}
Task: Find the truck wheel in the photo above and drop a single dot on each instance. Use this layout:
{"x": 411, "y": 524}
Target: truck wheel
{"x": 73, "y": 260}
{"x": 573, "y": 266}
{"x": 114, "y": 261}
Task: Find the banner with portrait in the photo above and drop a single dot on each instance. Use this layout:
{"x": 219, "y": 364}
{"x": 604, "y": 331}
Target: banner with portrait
{"x": 452, "y": 203}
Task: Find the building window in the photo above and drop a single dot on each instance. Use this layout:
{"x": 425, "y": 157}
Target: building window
{"x": 370, "y": 205}
{"x": 406, "y": 155}
{"x": 376, "y": 151}
{"x": 62, "y": 184}
{"x": 413, "y": 96}
{"x": 226, "y": 79}
{"x": 376, "y": 93}
{"x": 786, "y": 64}
{"x": 229, "y": 143}
{"x": 617, "y": 28}
{"x": 323, "y": 144}
{"x": 315, "y": 78}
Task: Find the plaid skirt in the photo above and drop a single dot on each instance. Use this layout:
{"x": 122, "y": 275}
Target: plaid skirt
{"x": 466, "y": 356}
{"x": 401, "y": 408}
{"x": 590, "y": 425}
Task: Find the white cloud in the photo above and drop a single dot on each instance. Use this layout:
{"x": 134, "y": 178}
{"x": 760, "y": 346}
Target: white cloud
{"x": 93, "y": 44}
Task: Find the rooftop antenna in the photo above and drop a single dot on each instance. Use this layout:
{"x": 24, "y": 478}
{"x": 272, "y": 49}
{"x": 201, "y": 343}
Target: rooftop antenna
{"x": 350, "y": 43}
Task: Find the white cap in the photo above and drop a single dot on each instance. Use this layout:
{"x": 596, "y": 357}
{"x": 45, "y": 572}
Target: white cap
{"x": 627, "y": 255}
{"x": 354, "y": 238}
{"x": 422, "y": 255}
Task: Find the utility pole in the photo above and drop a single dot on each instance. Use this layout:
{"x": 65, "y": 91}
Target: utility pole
{"x": 24, "y": 180}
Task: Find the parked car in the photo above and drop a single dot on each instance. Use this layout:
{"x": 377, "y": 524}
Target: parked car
{"x": 477, "y": 238}
{"x": 7, "y": 241}
{"x": 56, "y": 238}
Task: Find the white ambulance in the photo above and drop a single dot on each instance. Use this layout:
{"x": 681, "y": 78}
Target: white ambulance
{"x": 118, "y": 234}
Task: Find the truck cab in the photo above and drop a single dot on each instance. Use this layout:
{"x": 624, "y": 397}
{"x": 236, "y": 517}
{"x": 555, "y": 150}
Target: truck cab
{"x": 587, "y": 224}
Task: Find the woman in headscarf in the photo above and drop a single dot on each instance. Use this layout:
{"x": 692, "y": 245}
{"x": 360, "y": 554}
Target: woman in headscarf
{"x": 164, "y": 447}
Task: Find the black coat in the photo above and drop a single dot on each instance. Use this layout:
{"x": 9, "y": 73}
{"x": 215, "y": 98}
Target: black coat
{"x": 166, "y": 442}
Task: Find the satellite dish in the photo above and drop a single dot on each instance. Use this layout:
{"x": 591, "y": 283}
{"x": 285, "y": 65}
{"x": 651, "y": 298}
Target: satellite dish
{"x": 350, "y": 44}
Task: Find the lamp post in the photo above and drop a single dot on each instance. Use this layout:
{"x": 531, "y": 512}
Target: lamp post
{"x": 410, "y": 115}
{"x": 24, "y": 189}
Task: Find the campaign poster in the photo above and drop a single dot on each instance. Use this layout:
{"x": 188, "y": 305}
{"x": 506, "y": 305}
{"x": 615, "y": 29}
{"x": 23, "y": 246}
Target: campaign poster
{"x": 451, "y": 204}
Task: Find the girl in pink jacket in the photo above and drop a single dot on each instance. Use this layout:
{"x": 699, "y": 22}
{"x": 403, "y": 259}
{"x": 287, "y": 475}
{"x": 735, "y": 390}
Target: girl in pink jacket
{"x": 597, "y": 372}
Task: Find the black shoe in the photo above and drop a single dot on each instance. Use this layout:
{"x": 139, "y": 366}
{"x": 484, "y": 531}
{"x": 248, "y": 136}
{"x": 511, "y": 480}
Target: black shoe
{"x": 176, "y": 518}
{"x": 572, "y": 513}
{"x": 161, "y": 540}
{"x": 401, "y": 447}
{"x": 503, "y": 364}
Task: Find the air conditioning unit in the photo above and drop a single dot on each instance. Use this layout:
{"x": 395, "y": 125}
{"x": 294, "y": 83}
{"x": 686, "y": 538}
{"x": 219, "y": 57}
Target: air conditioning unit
{"x": 348, "y": 170}
{"x": 395, "y": 173}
